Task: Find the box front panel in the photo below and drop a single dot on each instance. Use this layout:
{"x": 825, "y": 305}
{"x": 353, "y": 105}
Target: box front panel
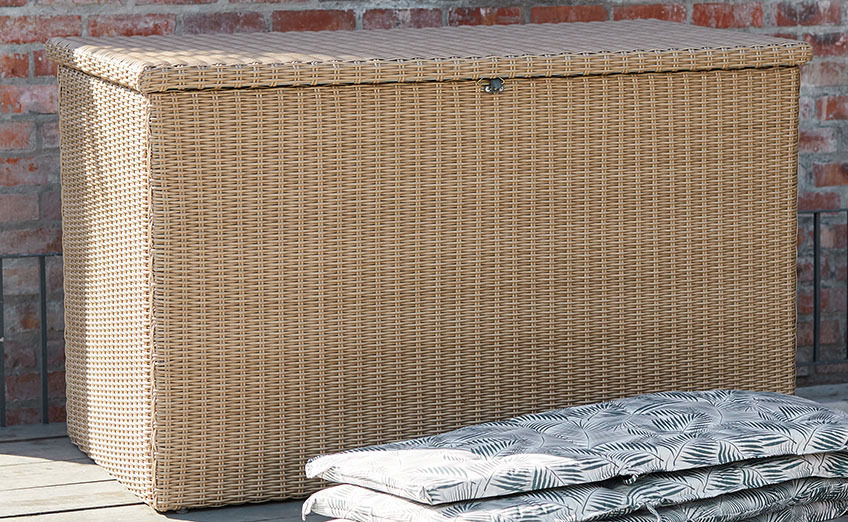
{"x": 340, "y": 266}
{"x": 106, "y": 222}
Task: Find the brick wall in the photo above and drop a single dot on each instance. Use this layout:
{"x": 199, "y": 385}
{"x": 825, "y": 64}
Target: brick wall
{"x": 29, "y": 173}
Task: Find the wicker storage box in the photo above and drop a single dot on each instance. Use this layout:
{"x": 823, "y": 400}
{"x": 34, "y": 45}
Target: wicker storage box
{"x": 280, "y": 245}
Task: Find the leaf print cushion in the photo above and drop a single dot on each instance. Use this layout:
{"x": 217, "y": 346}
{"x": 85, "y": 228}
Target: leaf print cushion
{"x": 627, "y": 437}
{"x": 812, "y": 512}
{"x": 583, "y": 502}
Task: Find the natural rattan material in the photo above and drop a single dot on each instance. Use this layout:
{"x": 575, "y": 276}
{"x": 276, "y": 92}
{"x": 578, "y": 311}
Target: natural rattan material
{"x": 156, "y": 63}
{"x": 258, "y": 276}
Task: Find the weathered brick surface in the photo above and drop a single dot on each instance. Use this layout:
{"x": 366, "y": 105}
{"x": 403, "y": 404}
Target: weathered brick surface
{"x": 568, "y": 13}
{"x": 828, "y": 44}
{"x": 392, "y": 18}
{"x": 673, "y": 12}
{"x": 224, "y": 23}
{"x": 313, "y": 20}
{"x": 132, "y": 25}
{"x": 14, "y": 65}
{"x": 484, "y": 15}
{"x": 30, "y": 203}
{"x": 809, "y": 13}
{"x": 724, "y": 15}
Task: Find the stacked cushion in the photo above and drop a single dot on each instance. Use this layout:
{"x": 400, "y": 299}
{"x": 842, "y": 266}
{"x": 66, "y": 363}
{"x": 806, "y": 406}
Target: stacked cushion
{"x": 717, "y": 456}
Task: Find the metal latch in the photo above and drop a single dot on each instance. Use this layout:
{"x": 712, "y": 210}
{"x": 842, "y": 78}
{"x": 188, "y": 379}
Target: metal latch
{"x": 494, "y": 86}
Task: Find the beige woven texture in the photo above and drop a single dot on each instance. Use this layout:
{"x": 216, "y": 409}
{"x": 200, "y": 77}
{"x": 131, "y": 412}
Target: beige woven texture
{"x": 258, "y": 276}
{"x": 157, "y": 63}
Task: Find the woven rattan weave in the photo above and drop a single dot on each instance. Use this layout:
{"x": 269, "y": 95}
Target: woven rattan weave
{"x": 355, "y": 253}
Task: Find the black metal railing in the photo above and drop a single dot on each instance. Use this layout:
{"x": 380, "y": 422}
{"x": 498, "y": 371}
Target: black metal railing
{"x": 42, "y": 354}
{"x": 816, "y": 358}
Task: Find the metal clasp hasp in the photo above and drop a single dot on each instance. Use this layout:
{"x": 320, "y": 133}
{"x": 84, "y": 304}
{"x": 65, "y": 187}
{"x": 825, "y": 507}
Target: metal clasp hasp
{"x": 494, "y": 86}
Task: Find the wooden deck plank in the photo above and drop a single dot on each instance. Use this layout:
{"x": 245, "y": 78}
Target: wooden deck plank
{"x": 48, "y": 473}
{"x": 45, "y": 499}
{"x": 39, "y": 450}
{"x": 44, "y": 477}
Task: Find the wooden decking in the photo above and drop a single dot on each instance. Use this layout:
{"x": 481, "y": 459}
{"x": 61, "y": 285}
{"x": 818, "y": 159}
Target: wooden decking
{"x": 45, "y": 478}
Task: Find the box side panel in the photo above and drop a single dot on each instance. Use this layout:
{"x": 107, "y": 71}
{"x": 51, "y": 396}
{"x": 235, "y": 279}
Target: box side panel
{"x": 105, "y": 213}
{"x": 341, "y": 266}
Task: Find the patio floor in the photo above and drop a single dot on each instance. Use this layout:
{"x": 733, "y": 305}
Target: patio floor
{"x": 45, "y": 478}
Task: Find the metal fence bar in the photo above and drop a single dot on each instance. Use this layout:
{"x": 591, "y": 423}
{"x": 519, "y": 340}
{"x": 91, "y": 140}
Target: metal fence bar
{"x": 817, "y": 312}
{"x": 2, "y": 353}
{"x": 816, "y": 285}
{"x": 42, "y": 296}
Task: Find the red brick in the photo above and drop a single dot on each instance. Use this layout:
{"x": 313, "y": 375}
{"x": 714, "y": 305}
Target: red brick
{"x": 17, "y": 416}
{"x": 807, "y": 108}
{"x": 37, "y": 29}
{"x": 833, "y": 299}
{"x": 32, "y": 171}
{"x": 391, "y": 18}
{"x": 49, "y": 131}
{"x": 56, "y": 354}
{"x": 223, "y": 23}
{"x": 828, "y": 44}
{"x": 34, "y": 240}
{"x": 830, "y": 174}
{"x": 132, "y": 25}
{"x": 806, "y": 301}
{"x": 671, "y": 12}
{"x": 824, "y": 73}
{"x": 12, "y": 3}
{"x": 23, "y": 387}
{"x": 14, "y": 65}
{"x": 144, "y": 2}
{"x": 484, "y": 15}
{"x": 18, "y": 355}
{"x": 65, "y": 4}
{"x": 818, "y": 200}
{"x": 20, "y": 277}
{"x": 43, "y": 65}
{"x": 56, "y": 385}
{"x": 715, "y": 14}
{"x": 269, "y": 1}
{"x": 55, "y": 275}
{"x": 51, "y": 206}
{"x": 567, "y": 13}
{"x": 31, "y": 99}
{"x": 55, "y": 316}
{"x": 56, "y": 413}
{"x": 808, "y": 13}
{"x": 313, "y": 20}
{"x": 805, "y": 271}
{"x": 804, "y": 336}
{"x": 18, "y": 207}
{"x": 16, "y": 135}
{"x": 832, "y": 236}
{"x": 832, "y": 107}
{"x": 829, "y": 332}
{"x": 803, "y": 235}
{"x": 817, "y": 140}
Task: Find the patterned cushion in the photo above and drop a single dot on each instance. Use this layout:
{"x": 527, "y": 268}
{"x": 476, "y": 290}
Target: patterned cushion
{"x": 627, "y": 437}
{"x": 750, "y": 484}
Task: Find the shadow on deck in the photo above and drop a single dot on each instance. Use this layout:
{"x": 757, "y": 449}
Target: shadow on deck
{"x": 45, "y": 478}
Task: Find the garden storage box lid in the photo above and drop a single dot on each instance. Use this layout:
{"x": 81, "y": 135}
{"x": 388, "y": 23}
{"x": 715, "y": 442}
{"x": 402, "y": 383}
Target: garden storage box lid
{"x": 157, "y": 63}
